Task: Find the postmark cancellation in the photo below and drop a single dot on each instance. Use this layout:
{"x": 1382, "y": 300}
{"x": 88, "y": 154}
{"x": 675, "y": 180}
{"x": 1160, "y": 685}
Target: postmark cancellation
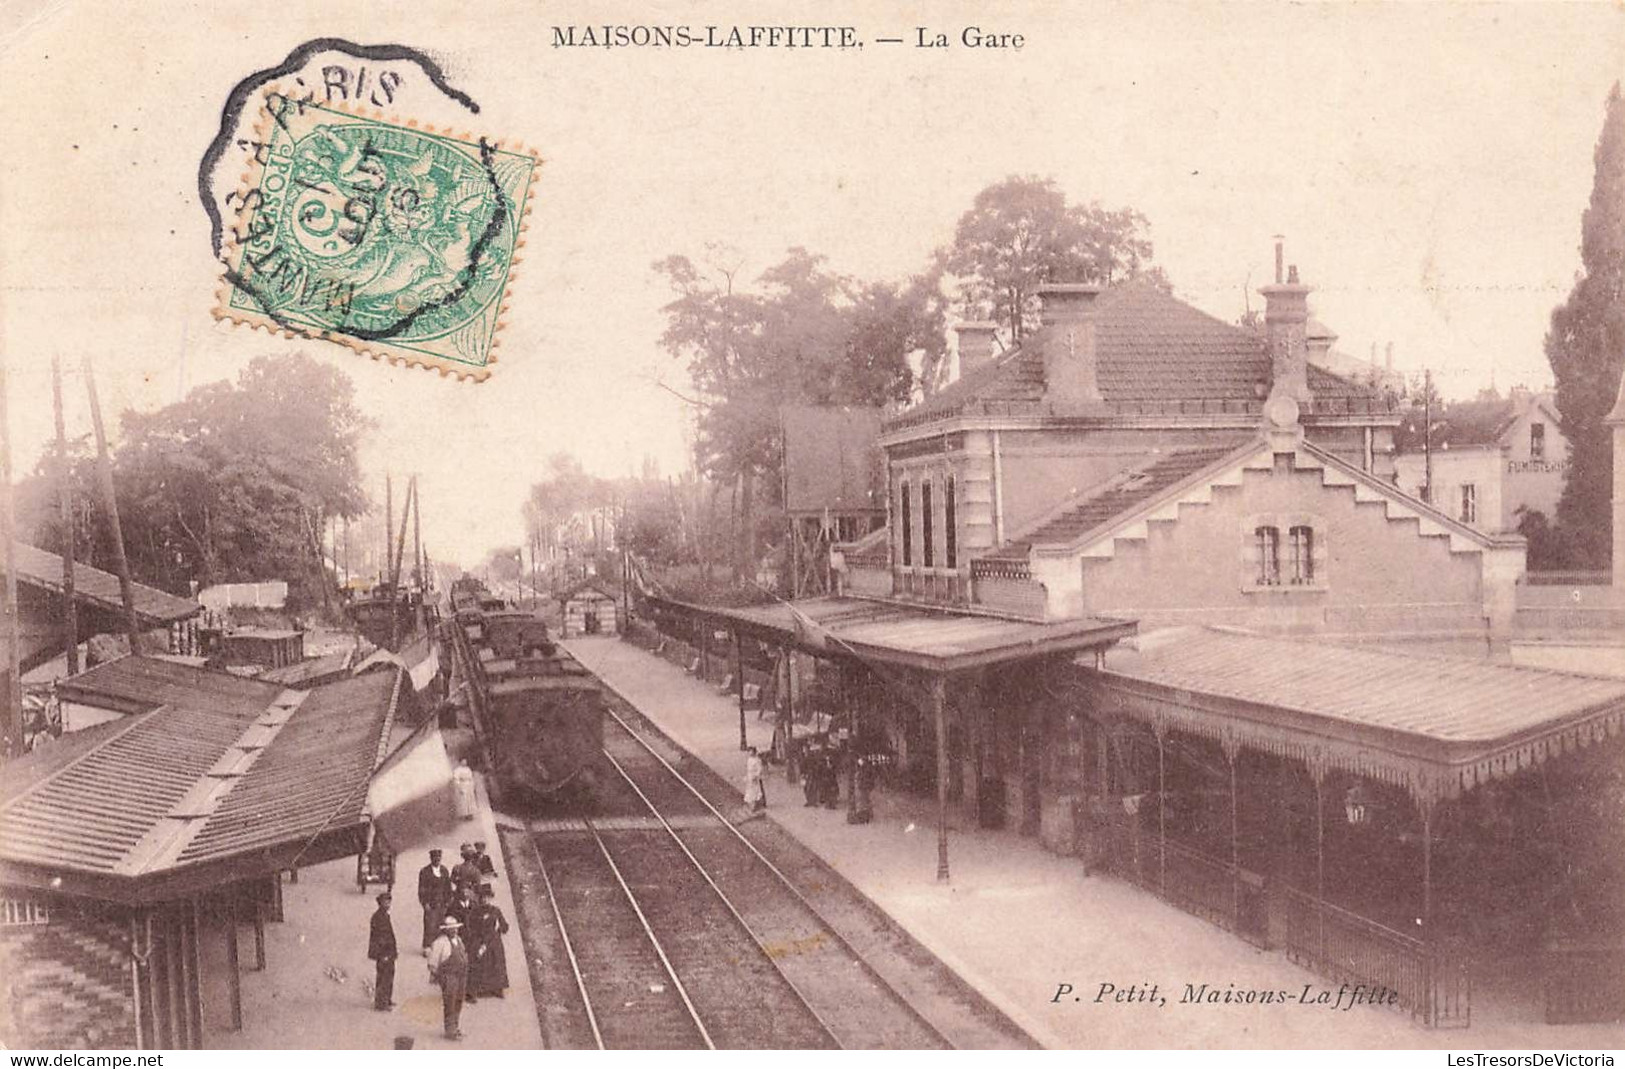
{"x": 396, "y": 239}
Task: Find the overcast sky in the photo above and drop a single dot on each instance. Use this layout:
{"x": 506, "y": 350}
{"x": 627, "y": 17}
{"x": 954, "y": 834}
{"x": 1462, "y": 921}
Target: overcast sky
{"x": 1427, "y": 163}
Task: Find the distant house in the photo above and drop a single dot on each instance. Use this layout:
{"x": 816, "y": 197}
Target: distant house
{"x": 1490, "y": 457}
{"x": 588, "y": 610}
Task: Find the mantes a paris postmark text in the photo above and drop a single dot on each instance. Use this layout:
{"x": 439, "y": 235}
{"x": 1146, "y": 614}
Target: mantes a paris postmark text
{"x": 395, "y": 239}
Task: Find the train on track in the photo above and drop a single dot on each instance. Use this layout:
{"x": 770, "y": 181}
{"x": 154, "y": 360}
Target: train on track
{"x": 541, "y": 713}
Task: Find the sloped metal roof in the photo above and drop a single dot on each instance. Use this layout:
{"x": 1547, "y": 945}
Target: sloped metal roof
{"x": 154, "y": 803}
{"x": 153, "y": 607}
{"x": 1435, "y": 725}
{"x": 139, "y": 684}
{"x": 909, "y": 636}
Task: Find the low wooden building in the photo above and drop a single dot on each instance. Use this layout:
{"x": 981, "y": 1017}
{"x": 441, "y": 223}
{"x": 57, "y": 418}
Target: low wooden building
{"x": 589, "y": 609}
{"x": 137, "y": 855}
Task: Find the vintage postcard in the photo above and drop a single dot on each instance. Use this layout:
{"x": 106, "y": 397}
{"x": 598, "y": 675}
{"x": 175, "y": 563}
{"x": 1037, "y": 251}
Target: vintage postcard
{"x": 875, "y": 525}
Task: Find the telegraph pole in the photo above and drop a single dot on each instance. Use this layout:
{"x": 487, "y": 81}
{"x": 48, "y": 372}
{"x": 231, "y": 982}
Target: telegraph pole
{"x": 1427, "y": 435}
{"x": 104, "y": 472}
{"x": 417, "y": 550}
{"x": 64, "y": 492}
{"x": 14, "y": 684}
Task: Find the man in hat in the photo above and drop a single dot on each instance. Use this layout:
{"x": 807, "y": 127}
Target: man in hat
{"x": 381, "y": 949}
{"x": 434, "y": 893}
{"x": 448, "y": 967}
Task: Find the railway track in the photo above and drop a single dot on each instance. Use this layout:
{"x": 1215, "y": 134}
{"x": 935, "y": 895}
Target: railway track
{"x": 668, "y": 929}
{"x": 720, "y": 934}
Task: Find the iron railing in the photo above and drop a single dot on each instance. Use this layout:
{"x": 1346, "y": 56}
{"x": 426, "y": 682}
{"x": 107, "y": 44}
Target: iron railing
{"x": 1430, "y": 981}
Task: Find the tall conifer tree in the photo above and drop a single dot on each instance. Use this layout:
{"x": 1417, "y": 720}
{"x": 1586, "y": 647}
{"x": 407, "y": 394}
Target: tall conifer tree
{"x": 1586, "y": 348}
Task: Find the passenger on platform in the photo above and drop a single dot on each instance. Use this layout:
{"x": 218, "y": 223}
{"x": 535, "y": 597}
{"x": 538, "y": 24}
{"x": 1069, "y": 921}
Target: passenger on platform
{"x": 488, "y": 868}
{"x": 830, "y": 771}
{"x": 467, "y": 876}
{"x": 488, "y": 964}
{"x": 812, "y": 781}
{"x": 381, "y": 950}
{"x": 434, "y": 894}
{"x": 463, "y": 904}
{"x": 462, "y": 785}
{"x": 448, "y": 967}
{"x": 755, "y": 790}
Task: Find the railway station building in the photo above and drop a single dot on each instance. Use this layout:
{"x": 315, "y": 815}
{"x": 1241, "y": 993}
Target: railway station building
{"x": 1287, "y": 704}
{"x": 141, "y": 858}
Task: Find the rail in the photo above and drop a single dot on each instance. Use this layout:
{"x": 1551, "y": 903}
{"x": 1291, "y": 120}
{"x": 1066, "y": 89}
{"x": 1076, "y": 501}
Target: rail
{"x": 564, "y": 935}
{"x": 1430, "y": 981}
{"x": 721, "y": 896}
{"x": 795, "y": 892}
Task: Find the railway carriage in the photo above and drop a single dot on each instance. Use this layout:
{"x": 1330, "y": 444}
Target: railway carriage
{"x": 546, "y": 721}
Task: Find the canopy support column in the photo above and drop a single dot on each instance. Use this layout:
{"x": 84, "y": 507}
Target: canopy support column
{"x": 1162, "y": 809}
{"x": 1430, "y": 1007}
{"x": 940, "y": 715}
{"x": 739, "y": 677}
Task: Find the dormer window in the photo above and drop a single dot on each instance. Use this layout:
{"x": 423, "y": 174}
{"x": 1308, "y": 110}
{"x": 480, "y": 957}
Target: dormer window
{"x": 1537, "y": 441}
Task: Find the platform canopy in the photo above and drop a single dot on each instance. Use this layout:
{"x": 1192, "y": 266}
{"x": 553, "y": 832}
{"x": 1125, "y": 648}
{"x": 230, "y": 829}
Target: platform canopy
{"x": 208, "y": 788}
{"x": 907, "y": 636}
{"x": 1434, "y": 726}
{"x": 100, "y": 590}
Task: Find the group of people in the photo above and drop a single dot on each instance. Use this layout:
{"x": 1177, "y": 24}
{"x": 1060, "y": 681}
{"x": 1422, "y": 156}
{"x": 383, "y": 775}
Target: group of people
{"x": 821, "y": 762}
{"x": 462, "y": 935}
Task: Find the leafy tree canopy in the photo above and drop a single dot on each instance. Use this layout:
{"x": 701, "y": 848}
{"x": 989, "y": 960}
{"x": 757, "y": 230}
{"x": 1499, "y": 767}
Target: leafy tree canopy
{"x": 1021, "y": 233}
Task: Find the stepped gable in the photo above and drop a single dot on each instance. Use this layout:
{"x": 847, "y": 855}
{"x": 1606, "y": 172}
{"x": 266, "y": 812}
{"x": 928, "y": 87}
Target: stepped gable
{"x": 1152, "y": 350}
{"x": 1122, "y": 494}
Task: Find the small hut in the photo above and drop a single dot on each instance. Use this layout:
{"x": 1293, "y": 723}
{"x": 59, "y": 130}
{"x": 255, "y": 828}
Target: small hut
{"x": 589, "y": 609}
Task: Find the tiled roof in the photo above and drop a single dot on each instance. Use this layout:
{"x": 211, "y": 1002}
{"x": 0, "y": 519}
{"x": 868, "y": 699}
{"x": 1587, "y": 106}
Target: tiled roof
{"x": 150, "y": 801}
{"x": 1430, "y": 722}
{"x": 1124, "y": 493}
{"x": 1462, "y": 423}
{"x": 1153, "y": 352}
{"x": 139, "y": 684}
{"x": 153, "y": 607}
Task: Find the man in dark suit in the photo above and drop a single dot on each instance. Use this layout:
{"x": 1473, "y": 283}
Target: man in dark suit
{"x": 434, "y": 893}
{"x": 381, "y": 949}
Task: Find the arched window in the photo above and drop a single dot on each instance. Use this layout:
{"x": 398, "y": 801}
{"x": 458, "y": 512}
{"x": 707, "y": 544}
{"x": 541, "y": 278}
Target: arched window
{"x": 950, "y": 533}
{"x": 927, "y": 526}
{"x": 1303, "y": 555}
{"x": 907, "y": 513}
{"x": 1268, "y": 540}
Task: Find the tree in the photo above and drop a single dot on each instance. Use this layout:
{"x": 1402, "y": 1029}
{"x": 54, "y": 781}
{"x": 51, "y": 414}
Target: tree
{"x": 1586, "y": 348}
{"x": 1021, "y": 232}
{"x": 233, "y": 482}
{"x": 803, "y": 335}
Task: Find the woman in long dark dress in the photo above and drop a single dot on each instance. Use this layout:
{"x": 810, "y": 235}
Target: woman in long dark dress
{"x": 488, "y": 965}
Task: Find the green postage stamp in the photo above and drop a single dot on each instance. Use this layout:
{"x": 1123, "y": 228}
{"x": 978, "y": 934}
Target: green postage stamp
{"x": 394, "y": 239}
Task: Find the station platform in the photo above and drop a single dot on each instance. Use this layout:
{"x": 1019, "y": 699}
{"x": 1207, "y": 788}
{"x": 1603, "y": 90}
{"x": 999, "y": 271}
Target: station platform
{"x": 316, "y": 989}
{"x": 1017, "y": 922}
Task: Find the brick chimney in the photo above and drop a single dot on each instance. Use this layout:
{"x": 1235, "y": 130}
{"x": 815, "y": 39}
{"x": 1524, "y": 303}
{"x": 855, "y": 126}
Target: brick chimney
{"x": 975, "y": 344}
{"x": 1616, "y": 420}
{"x": 1286, "y": 320}
{"x": 1318, "y": 341}
{"x": 1068, "y": 308}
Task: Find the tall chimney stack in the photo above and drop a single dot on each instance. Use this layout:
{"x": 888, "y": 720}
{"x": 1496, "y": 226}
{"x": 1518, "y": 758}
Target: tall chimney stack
{"x": 1070, "y": 371}
{"x": 1616, "y": 420}
{"x": 1388, "y": 361}
{"x": 975, "y": 344}
{"x": 1286, "y": 320}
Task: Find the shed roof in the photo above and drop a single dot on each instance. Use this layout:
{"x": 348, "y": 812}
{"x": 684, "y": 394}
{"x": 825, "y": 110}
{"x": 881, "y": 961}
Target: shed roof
{"x": 197, "y": 792}
{"x": 1433, "y": 725}
{"x": 139, "y": 684}
{"x": 311, "y": 671}
{"x": 1154, "y": 352}
{"x": 909, "y": 636}
{"x": 92, "y": 586}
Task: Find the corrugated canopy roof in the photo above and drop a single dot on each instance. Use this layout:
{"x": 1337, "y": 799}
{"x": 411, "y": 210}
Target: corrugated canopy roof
{"x": 1433, "y": 725}
{"x": 907, "y": 636}
{"x": 99, "y": 589}
{"x": 138, "y": 684}
{"x": 197, "y": 792}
